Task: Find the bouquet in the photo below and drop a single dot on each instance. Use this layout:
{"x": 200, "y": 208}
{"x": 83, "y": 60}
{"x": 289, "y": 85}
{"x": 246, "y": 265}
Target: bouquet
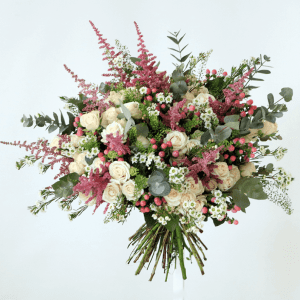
{"x": 180, "y": 149}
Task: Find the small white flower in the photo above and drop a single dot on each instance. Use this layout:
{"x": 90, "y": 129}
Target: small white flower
{"x": 164, "y": 222}
{"x": 168, "y": 99}
{"x": 143, "y": 158}
{"x": 160, "y": 219}
{"x": 154, "y": 216}
{"x": 167, "y": 218}
{"x": 143, "y": 90}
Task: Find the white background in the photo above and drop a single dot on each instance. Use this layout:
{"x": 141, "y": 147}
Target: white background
{"x": 48, "y": 257}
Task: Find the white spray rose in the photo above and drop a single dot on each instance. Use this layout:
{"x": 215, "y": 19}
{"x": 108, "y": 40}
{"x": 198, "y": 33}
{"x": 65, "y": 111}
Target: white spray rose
{"x": 112, "y": 192}
{"x": 133, "y": 107}
{"x": 212, "y": 185}
{"x": 119, "y": 170}
{"x": 110, "y": 116}
{"x": 173, "y": 199}
{"x": 75, "y": 139}
{"x": 228, "y": 182}
{"x": 91, "y": 120}
{"x": 221, "y": 170}
{"x": 128, "y": 189}
{"x": 196, "y": 188}
{"x": 113, "y": 128}
{"x": 235, "y": 173}
{"x": 115, "y": 97}
{"x": 200, "y": 202}
{"x": 75, "y": 167}
{"x": 97, "y": 163}
{"x": 178, "y": 139}
{"x": 203, "y": 98}
{"x": 247, "y": 169}
{"x": 55, "y": 142}
{"x": 143, "y": 140}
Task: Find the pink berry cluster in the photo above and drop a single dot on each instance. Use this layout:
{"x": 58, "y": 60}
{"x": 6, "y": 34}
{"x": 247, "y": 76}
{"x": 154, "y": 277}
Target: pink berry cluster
{"x": 144, "y": 204}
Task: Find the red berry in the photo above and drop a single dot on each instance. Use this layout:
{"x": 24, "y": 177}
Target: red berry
{"x": 250, "y": 144}
{"x": 232, "y": 158}
{"x": 154, "y": 147}
{"x": 137, "y": 203}
{"x": 185, "y": 110}
{"x": 149, "y": 98}
{"x": 161, "y": 153}
{"x": 120, "y": 159}
{"x": 164, "y": 146}
{"x": 183, "y": 115}
{"x": 107, "y": 164}
{"x": 241, "y": 151}
{"x": 100, "y": 154}
{"x": 143, "y": 203}
{"x": 233, "y": 211}
{"x": 79, "y": 132}
{"x": 207, "y": 71}
{"x": 146, "y": 197}
{"x": 192, "y": 108}
{"x": 163, "y": 106}
{"x": 242, "y": 95}
{"x": 169, "y": 144}
{"x": 242, "y": 141}
{"x": 154, "y": 90}
{"x": 143, "y": 210}
{"x": 252, "y": 155}
{"x": 250, "y": 102}
{"x": 197, "y": 113}
{"x": 236, "y": 222}
{"x": 253, "y": 149}
{"x": 237, "y": 208}
{"x": 231, "y": 148}
{"x": 243, "y": 114}
{"x": 157, "y": 201}
{"x": 254, "y": 107}
{"x": 225, "y": 74}
{"x": 106, "y": 152}
{"x": 75, "y": 124}
{"x": 77, "y": 119}
{"x": 175, "y": 153}
{"x": 230, "y": 167}
{"x": 250, "y": 111}
{"x": 102, "y": 158}
{"x": 204, "y": 210}
{"x": 147, "y": 209}
{"x": 148, "y": 91}
{"x": 120, "y": 152}
{"x": 81, "y": 114}
{"x": 174, "y": 163}
{"x": 163, "y": 200}
{"x": 214, "y": 71}
{"x": 226, "y": 156}
{"x": 153, "y": 141}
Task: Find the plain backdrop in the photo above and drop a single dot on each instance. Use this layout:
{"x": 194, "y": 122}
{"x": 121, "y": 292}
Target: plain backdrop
{"x": 48, "y": 257}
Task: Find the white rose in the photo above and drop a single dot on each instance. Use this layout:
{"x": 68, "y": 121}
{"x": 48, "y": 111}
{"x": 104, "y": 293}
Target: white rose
{"x": 80, "y": 158}
{"x": 178, "y": 139}
{"x": 143, "y": 140}
{"x": 55, "y": 142}
{"x": 75, "y": 167}
{"x": 189, "y": 97}
{"x": 85, "y": 198}
{"x": 200, "y": 202}
{"x": 235, "y": 173}
{"x": 119, "y": 170}
{"x": 97, "y": 163}
{"x": 228, "y": 182}
{"x": 122, "y": 122}
{"x": 75, "y": 139}
{"x": 91, "y": 120}
{"x": 113, "y": 128}
{"x": 221, "y": 170}
{"x": 110, "y": 116}
{"x": 247, "y": 169}
{"x": 196, "y": 188}
{"x": 203, "y": 98}
{"x": 112, "y": 192}
{"x": 189, "y": 197}
{"x": 190, "y": 144}
{"x": 203, "y": 90}
{"x": 212, "y": 185}
{"x": 173, "y": 199}
{"x": 128, "y": 189}
{"x": 116, "y": 97}
{"x": 133, "y": 107}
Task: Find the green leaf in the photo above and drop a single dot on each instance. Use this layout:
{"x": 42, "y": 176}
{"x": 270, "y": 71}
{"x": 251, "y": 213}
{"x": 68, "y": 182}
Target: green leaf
{"x": 245, "y": 123}
{"x": 128, "y": 125}
{"x": 264, "y": 71}
{"x": 221, "y": 133}
{"x": 183, "y": 48}
{"x": 64, "y": 187}
{"x": 266, "y": 58}
{"x": 135, "y": 59}
{"x": 205, "y": 137}
{"x": 185, "y": 57}
{"x": 240, "y": 199}
{"x": 256, "y": 125}
{"x": 217, "y": 222}
{"x": 48, "y": 119}
{"x": 125, "y": 111}
{"x": 171, "y": 225}
{"x": 256, "y": 79}
{"x": 234, "y": 125}
{"x": 174, "y": 50}
{"x": 251, "y": 87}
{"x": 176, "y": 57}
{"x": 269, "y": 167}
{"x": 52, "y": 128}
{"x": 270, "y": 118}
{"x": 173, "y": 40}
{"x": 181, "y": 38}
{"x": 56, "y": 121}
{"x": 89, "y": 161}
{"x": 40, "y": 121}
{"x": 121, "y": 116}
{"x": 149, "y": 220}
{"x": 252, "y": 187}
{"x": 104, "y": 88}
{"x": 271, "y": 100}
{"x": 232, "y": 118}
{"x": 142, "y": 129}
{"x": 287, "y": 94}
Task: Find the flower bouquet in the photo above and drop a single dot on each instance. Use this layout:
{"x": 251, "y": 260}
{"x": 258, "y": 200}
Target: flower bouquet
{"x": 180, "y": 149}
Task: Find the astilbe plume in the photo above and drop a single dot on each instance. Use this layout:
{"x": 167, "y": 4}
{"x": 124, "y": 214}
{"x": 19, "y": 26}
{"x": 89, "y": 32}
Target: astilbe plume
{"x": 147, "y": 76}
{"x": 205, "y": 165}
{"x": 115, "y": 143}
{"x": 94, "y": 184}
{"x": 174, "y": 116}
{"x": 221, "y": 109}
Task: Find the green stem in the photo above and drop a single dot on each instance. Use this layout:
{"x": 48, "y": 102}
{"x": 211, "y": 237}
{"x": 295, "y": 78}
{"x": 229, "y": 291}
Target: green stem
{"x": 170, "y": 250}
{"x": 180, "y": 250}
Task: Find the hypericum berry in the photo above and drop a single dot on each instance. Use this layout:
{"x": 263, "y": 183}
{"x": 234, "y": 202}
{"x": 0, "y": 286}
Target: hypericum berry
{"x": 253, "y": 149}
{"x": 120, "y": 152}
{"x": 154, "y": 90}
{"x": 236, "y": 222}
{"x": 79, "y": 132}
{"x": 137, "y": 203}
{"x": 163, "y": 160}
{"x": 148, "y": 91}
{"x": 250, "y": 102}
{"x": 105, "y": 151}
{"x": 213, "y": 199}
{"x": 143, "y": 210}
{"x": 242, "y": 95}
{"x": 169, "y": 144}
{"x": 149, "y": 98}
{"x": 242, "y": 141}
{"x": 192, "y": 108}
{"x": 120, "y": 159}
{"x": 174, "y": 163}
{"x": 183, "y": 115}
{"x": 75, "y": 124}
{"x": 236, "y": 140}
{"x": 225, "y": 74}
{"x": 250, "y": 144}
{"x": 157, "y": 201}
{"x": 153, "y": 141}
{"x": 241, "y": 151}
{"x": 147, "y": 209}
{"x": 146, "y": 197}
{"x": 254, "y": 107}
{"x": 214, "y": 72}
{"x": 231, "y": 148}
{"x": 197, "y": 113}
{"x": 226, "y": 156}
{"x": 81, "y": 114}
{"x": 243, "y": 114}
{"x": 175, "y": 153}
{"x": 161, "y": 153}
{"x": 237, "y": 102}
{"x": 143, "y": 203}
{"x": 100, "y": 154}
{"x": 250, "y": 111}
{"x": 164, "y": 146}
{"x": 252, "y": 155}
{"x": 204, "y": 210}
{"x": 237, "y": 208}
{"x": 107, "y": 164}
{"x": 233, "y": 211}
{"x": 154, "y": 147}
{"x": 229, "y": 222}
{"x": 207, "y": 71}
{"x": 102, "y": 158}
{"x": 163, "y": 200}
{"x": 163, "y": 106}
{"x": 232, "y": 158}
{"x": 185, "y": 110}
{"x": 157, "y": 107}
{"x": 77, "y": 119}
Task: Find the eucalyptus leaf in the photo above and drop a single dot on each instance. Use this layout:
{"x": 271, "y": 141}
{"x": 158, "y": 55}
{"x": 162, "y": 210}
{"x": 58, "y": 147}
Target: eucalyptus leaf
{"x": 125, "y": 111}
{"x": 264, "y": 71}
{"x": 52, "y": 128}
{"x": 287, "y": 94}
{"x": 40, "y": 121}
{"x": 205, "y": 137}
{"x": 89, "y": 161}
{"x": 232, "y": 118}
{"x": 183, "y": 59}
{"x": 171, "y": 225}
{"x": 245, "y": 123}
{"x": 56, "y": 121}
{"x": 240, "y": 199}
{"x": 173, "y": 40}
{"x": 128, "y": 125}
{"x": 234, "y": 125}
{"x": 256, "y": 125}
{"x": 222, "y": 133}
{"x": 142, "y": 129}
{"x": 270, "y": 118}
{"x": 271, "y": 100}
{"x": 121, "y": 116}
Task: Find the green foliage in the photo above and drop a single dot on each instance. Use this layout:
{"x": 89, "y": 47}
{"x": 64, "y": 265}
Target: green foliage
{"x": 78, "y": 103}
{"x": 141, "y": 182}
{"x": 216, "y": 86}
{"x": 133, "y": 171}
{"x": 132, "y": 134}
{"x": 112, "y": 154}
{"x": 149, "y": 220}
{"x": 172, "y": 224}
{"x": 190, "y": 124}
{"x": 91, "y": 143}
{"x": 158, "y": 184}
{"x": 132, "y": 96}
{"x": 64, "y": 187}
{"x": 287, "y": 94}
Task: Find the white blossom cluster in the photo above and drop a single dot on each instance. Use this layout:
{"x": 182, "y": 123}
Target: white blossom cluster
{"x": 219, "y": 211}
{"x": 283, "y": 178}
{"x": 208, "y": 117}
{"x": 147, "y": 159}
{"x": 162, "y": 220}
{"x": 279, "y": 153}
{"x": 164, "y": 99}
{"x": 118, "y": 61}
{"x": 177, "y": 175}
{"x": 279, "y": 196}
{"x": 112, "y": 213}
{"x": 152, "y": 110}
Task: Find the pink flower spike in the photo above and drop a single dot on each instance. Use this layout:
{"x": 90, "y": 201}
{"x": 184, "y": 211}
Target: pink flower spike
{"x": 236, "y": 222}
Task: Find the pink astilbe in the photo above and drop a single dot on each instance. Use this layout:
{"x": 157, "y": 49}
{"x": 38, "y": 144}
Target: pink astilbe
{"x": 147, "y": 76}
{"x": 204, "y": 164}
{"x": 174, "y": 116}
{"x": 115, "y": 143}
{"x": 222, "y": 109}
{"x": 94, "y": 184}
